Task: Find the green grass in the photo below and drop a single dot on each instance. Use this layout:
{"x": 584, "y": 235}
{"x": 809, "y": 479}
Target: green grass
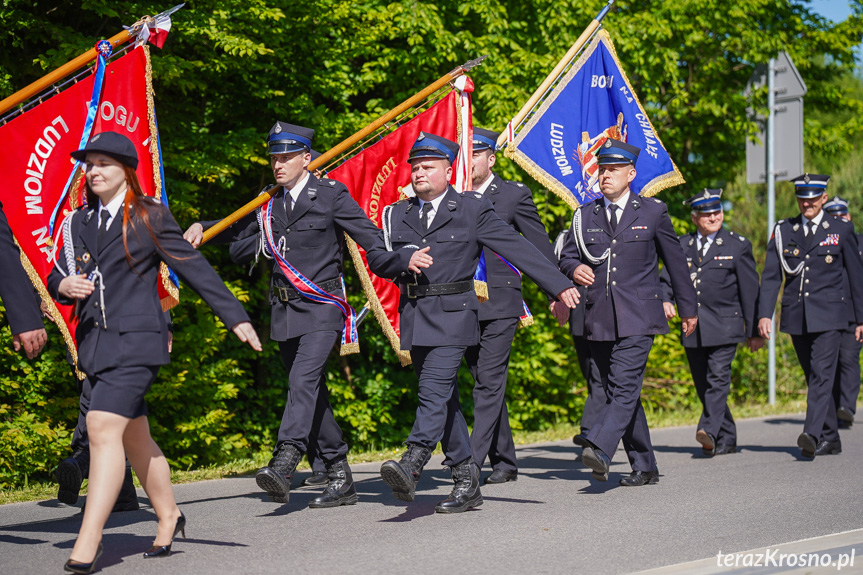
{"x": 248, "y": 466}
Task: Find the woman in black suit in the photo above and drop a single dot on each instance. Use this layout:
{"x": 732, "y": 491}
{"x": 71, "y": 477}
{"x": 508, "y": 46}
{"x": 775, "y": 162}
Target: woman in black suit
{"x": 109, "y": 267}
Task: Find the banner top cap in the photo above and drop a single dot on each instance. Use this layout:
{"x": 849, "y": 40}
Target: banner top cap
{"x": 111, "y": 144}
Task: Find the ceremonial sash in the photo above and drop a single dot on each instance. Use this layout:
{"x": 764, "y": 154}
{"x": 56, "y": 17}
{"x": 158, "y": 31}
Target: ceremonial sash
{"x": 308, "y": 289}
{"x": 481, "y": 277}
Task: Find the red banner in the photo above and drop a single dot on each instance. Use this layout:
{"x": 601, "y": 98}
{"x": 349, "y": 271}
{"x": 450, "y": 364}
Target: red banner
{"x": 37, "y": 166}
{"x": 380, "y": 175}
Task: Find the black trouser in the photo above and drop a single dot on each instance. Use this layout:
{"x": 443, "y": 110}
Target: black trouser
{"x": 80, "y": 439}
{"x": 439, "y": 416}
{"x": 846, "y": 385}
{"x": 489, "y": 363}
{"x": 711, "y": 372}
{"x": 596, "y": 396}
{"x": 621, "y": 365}
{"x": 308, "y": 412}
{"x": 818, "y": 354}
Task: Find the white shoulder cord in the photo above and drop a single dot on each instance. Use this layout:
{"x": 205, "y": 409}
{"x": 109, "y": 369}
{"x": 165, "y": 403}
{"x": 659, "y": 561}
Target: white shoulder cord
{"x": 799, "y": 270}
{"x": 582, "y": 249}
{"x": 68, "y": 249}
{"x": 387, "y": 224}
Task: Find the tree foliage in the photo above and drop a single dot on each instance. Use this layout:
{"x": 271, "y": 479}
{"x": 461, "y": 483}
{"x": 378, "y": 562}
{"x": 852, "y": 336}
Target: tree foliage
{"x": 230, "y": 69}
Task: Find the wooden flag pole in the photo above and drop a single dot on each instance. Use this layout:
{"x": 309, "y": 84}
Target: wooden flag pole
{"x": 324, "y": 158}
{"x": 61, "y": 72}
{"x": 549, "y": 80}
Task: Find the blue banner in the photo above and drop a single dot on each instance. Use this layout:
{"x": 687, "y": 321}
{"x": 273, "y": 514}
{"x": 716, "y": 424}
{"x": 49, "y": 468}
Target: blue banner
{"x": 593, "y": 101}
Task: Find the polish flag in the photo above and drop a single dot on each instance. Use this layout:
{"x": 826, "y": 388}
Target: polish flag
{"x": 155, "y": 32}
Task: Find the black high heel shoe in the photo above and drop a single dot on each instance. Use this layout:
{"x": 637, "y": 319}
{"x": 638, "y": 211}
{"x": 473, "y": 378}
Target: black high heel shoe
{"x": 78, "y": 567}
{"x": 165, "y": 550}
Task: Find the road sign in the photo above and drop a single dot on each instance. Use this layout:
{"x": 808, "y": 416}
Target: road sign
{"x": 789, "y": 145}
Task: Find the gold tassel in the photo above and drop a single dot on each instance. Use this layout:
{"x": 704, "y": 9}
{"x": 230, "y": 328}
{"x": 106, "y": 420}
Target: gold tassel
{"x": 526, "y": 321}
{"x": 481, "y": 289}
{"x": 349, "y": 348}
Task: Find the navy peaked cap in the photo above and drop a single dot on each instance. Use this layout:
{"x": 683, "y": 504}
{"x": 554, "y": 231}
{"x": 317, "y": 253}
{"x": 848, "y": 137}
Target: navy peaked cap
{"x": 484, "y": 139}
{"x": 837, "y": 206}
{"x": 616, "y": 152}
{"x": 706, "y": 202}
{"x": 431, "y": 146}
{"x": 284, "y": 138}
{"x": 111, "y": 144}
{"x": 810, "y": 185}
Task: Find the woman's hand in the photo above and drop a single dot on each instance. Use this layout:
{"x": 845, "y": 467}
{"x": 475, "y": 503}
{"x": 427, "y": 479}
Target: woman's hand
{"x": 76, "y": 287}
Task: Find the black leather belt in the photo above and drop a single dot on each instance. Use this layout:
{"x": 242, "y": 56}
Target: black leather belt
{"x": 286, "y": 292}
{"x": 416, "y": 290}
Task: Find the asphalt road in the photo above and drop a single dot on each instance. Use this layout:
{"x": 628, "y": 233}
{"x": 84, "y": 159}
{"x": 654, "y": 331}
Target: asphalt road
{"x": 554, "y": 519}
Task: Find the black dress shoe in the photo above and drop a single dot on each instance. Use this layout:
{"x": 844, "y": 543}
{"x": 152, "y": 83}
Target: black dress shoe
{"x": 581, "y": 440}
{"x": 844, "y": 414}
{"x": 71, "y": 473}
{"x": 597, "y": 461}
{"x": 707, "y": 441}
{"x": 165, "y": 550}
{"x": 465, "y": 492}
{"x": 316, "y": 479}
{"x": 724, "y": 449}
{"x": 829, "y": 448}
{"x": 78, "y": 567}
{"x": 501, "y": 476}
{"x": 806, "y": 442}
{"x": 845, "y": 424}
{"x": 639, "y": 478}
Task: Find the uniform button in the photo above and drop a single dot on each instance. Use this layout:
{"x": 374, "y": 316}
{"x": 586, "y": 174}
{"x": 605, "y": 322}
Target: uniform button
{"x": 807, "y": 256}
{"x": 614, "y": 269}
{"x": 614, "y": 283}
{"x": 287, "y": 231}
{"x": 287, "y": 249}
{"x": 698, "y": 293}
{"x": 699, "y": 270}
{"x": 699, "y": 304}
{"x": 96, "y": 305}
{"x": 806, "y": 294}
{"x": 699, "y": 281}
{"x": 424, "y": 240}
{"x": 95, "y": 324}
{"x": 404, "y": 273}
{"x": 613, "y": 242}
{"x": 614, "y": 255}
{"x": 806, "y": 281}
{"x": 807, "y": 268}
{"x": 452, "y": 237}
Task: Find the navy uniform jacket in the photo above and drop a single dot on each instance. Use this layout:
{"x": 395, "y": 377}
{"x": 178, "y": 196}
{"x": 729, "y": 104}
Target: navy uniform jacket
{"x": 134, "y": 329}
{"x": 633, "y": 300}
{"x": 16, "y": 291}
{"x": 514, "y": 205}
{"x": 314, "y": 244}
{"x": 726, "y": 285}
{"x": 462, "y": 226}
{"x": 814, "y": 300}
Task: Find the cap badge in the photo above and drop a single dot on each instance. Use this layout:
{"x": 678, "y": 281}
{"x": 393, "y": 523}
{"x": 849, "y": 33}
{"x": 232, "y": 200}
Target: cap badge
{"x": 806, "y": 178}
{"x": 608, "y": 143}
{"x": 421, "y": 137}
{"x": 278, "y": 129}
{"x": 94, "y": 138}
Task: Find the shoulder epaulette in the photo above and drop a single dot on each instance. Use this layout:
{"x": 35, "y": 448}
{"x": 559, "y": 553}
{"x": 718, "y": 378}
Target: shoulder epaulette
{"x": 780, "y": 222}
{"x": 401, "y": 201}
{"x": 328, "y": 182}
{"x": 154, "y": 200}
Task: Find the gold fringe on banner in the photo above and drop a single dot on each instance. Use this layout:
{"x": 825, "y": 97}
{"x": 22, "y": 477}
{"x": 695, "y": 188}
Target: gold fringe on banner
{"x": 525, "y": 322}
{"x": 172, "y": 297}
{"x": 349, "y": 348}
{"x": 55, "y": 314}
{"x": 375, "y": 303}
{"x": 548, "y": 181}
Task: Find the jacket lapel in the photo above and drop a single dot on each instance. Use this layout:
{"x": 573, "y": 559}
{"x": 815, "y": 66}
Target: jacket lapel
{"x": 90, "y": 231}
{"x": 443, "y": 213}
{"x": 629, "y": 214}
{"x": 278, "y": 212}
{"x": 493, "y": 189}
{"x": 411, "y": 216}
{"x": 600, "y": 219}
{"x": 820, "y": 234}
{"x": 304, "y": 201}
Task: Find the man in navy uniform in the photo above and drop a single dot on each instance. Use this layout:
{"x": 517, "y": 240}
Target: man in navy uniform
{"x": 488, "y": 361}
{"x": 309, "y": 219}
{"x": 846, "y": 386}
{"x": 432, "y": 247}
{"x": 18, "y": 296}
{"x": 722, "y": 269}
{"x": 613, "y": 249}
{"x": 812, "y": 252}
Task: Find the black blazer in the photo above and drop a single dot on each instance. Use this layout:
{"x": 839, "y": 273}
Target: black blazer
{"x": 513, "y": 204}
{"x": 314, "y": 237}
{"x": 463, "y": 225}
{"x": 814, "y": 300}
{"x": 726, "y": 285}
{"x": 16, "y": 290}
{"x": 133, "y": 330}
{"x": 632, "y": 303}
